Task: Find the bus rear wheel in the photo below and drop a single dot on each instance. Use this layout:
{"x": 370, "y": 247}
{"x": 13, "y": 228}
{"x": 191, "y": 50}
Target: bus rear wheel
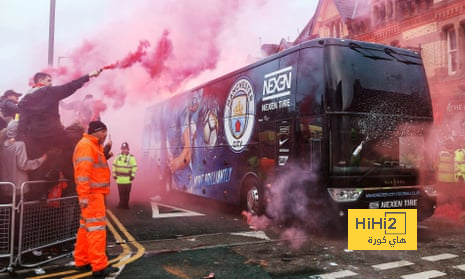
{"x": 253, "y": 199}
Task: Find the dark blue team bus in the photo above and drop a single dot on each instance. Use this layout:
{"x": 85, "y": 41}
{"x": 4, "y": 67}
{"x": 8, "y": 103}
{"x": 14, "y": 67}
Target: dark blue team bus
{"x": 354, "y": 116}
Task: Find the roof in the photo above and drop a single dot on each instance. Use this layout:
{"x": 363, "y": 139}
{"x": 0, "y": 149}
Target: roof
{"x": 345, "y": 8}
{"x": 350, "y": 9}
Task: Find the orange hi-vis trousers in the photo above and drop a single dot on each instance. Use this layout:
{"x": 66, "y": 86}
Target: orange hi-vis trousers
{"x": 92, "y": 235}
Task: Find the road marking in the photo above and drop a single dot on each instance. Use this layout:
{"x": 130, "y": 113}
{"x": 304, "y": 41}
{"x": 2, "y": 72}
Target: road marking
{"x": 54, "y": 275}
{"x": 335, "y": 275}
{"x": 424, "y": 275}
{"x": 391, "y": 265}
{"x": 439, "y": 257}
{"x": 176, "y": 272}
{"x": 160, "y": 210}
{"x": 255, "y": 234}
{"x": 461, "y": 267}
{"x": 125, "y": 257}
{"x": 140, "y": 249}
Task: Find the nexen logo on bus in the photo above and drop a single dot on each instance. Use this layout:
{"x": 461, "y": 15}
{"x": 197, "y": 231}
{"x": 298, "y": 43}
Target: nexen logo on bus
{"x": 276, "y": 85}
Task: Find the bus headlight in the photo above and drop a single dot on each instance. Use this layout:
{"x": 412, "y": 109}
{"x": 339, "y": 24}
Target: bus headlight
{"x": 344, "y": 195}
{"x": 430, "y": 190}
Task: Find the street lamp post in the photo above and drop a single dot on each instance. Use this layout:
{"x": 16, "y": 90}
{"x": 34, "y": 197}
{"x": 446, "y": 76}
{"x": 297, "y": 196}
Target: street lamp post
{"x": 51, "y": 32}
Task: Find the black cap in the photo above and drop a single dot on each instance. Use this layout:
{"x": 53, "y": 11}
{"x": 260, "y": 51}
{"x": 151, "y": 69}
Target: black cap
{"x": 11, "y": 93}
{"x": 96, "y": 126}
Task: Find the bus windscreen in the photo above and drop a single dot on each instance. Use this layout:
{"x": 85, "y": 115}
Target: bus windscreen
{"x": 376, "y": 83}
{"x": 380, "y": 110}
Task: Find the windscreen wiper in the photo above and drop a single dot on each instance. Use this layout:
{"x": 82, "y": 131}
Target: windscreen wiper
{"x": 366, "y": 53}
{"x": 401, "y": 58}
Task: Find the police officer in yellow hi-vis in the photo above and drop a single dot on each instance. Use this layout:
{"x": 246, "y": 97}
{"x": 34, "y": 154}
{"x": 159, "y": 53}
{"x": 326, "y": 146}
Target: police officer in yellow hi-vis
{"x": 124, "y": 170}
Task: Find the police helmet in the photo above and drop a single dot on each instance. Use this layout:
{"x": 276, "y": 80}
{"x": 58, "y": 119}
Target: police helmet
{"x": 125, "y": 145}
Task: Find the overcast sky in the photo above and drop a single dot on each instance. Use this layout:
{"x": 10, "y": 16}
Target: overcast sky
{"x": 24, "y": 27}
{"x": 192, "y": 40}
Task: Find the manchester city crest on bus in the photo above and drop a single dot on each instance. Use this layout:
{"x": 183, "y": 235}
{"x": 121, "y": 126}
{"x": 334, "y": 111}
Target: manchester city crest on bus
{"x": 239, "y": 114}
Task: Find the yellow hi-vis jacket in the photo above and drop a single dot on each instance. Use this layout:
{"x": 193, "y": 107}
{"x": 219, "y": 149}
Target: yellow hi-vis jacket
{"x": 124, "y": 168}
{"x": 459, "y": 165}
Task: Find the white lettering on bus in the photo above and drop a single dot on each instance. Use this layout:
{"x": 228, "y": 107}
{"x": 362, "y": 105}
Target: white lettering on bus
{"x": 410, "y": 203}
{"x": 277, "y": 84}
{"x": 399, "y": 203}
{"x": 285, "y": 103}
{"x": 276, "y": 105}
{"x": 214, "y": 177}
{"x": 269, "y": 106}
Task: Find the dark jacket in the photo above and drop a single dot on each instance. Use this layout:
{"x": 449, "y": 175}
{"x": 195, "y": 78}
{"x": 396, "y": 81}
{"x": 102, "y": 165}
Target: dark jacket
{"x": 39, "y": 110}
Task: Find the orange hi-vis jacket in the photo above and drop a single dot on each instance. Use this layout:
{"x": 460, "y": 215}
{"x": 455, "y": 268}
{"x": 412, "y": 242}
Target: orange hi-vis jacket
{"x": 91, "y": 171}
{"x": 92, "y": 176}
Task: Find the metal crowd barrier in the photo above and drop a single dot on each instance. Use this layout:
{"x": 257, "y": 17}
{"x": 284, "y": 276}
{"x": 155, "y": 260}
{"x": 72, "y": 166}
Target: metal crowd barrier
{"x": 44, "y": 224}
{"x": 7, "y": 225}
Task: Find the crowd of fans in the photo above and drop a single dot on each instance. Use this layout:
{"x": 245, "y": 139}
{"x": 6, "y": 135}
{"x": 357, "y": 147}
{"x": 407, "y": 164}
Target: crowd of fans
{"x": 34, "y": 143}
{"x": 35, "y": 146}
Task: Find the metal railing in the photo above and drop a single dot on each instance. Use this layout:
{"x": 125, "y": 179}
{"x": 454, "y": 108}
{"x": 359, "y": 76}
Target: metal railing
{"x": 7, "y": 223}
{"x": 37, "y": 224}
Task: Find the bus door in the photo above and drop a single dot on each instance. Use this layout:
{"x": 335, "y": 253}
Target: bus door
{"x": 308, "y": 142}
{"x": 276, "y": 141}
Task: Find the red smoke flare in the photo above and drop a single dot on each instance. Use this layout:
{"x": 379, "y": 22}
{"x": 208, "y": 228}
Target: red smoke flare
{"x": 256, "y": 222}
{"x": 109, "y": 67}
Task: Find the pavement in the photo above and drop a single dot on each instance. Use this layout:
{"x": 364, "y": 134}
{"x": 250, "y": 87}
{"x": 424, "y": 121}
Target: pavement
{"x": 204, "y": 256}
{"x": 208, "y": 255}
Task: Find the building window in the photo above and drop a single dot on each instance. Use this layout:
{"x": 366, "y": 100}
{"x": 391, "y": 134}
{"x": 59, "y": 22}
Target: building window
{"x": 389, "y": 10}
{"x": 376, "y": 15}
{"x": 337, "y": 29}
{"x": 382, "y": 13}
{"x": 451, "y": 51}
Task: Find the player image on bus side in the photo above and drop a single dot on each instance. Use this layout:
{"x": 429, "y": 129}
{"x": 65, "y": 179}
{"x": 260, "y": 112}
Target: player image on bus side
{"x": 353, "y": 115}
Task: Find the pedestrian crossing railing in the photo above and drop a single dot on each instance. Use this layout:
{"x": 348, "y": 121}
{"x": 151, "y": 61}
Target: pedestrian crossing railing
{"x": 40, "y": 230}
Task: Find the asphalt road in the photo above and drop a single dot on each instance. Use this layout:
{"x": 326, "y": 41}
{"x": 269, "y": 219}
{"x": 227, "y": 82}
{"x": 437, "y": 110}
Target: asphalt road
{"x": 195, "y": 238}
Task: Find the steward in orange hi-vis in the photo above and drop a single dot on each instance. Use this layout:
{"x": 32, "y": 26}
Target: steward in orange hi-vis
{"x": 92, "y": 177}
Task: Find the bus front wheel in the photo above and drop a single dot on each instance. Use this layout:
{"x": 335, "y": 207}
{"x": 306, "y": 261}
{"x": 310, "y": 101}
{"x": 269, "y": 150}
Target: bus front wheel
{"x": 253, "y": 196}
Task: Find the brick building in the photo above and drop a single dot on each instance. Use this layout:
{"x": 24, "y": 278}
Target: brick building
{"x": 436, "y": 28}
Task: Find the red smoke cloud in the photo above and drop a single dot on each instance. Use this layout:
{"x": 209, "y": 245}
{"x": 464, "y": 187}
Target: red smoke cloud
{"x": 167, "y": 47}
{"x": 155, "y": 58}
{"x": 131, "y": 58}
{"x": 155, "y": 62}
{"x": 183, "y": 48}
{"x": 170, "y": 52}
{"x": 158, "y": 52}
{"x": 290, "y": 211}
